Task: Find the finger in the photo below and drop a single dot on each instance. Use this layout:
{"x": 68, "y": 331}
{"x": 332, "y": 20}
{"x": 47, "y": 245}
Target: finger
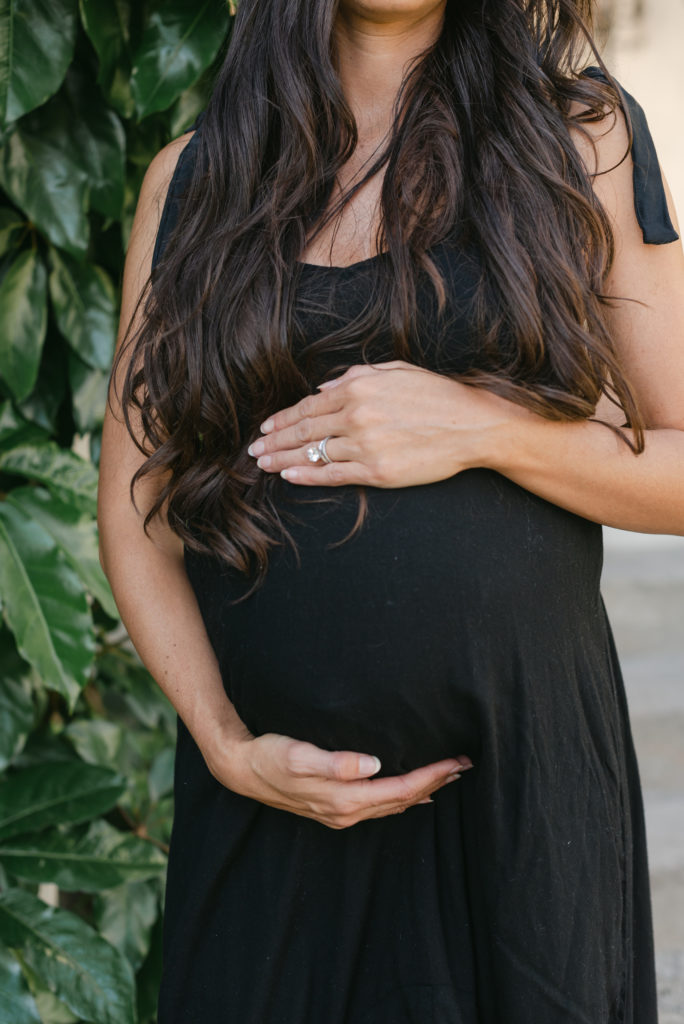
{"x": 312, "y": 405}
{"x": 343, "y": 765}
{"x": 278, "y": 461}
{"x": 333, "y": 475}
{"x": 401, "y": 790}
{"x": 310, "y": 428}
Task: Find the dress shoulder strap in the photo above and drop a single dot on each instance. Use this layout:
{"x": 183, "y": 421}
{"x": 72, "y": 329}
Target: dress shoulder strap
{"x": 180, "y": 180}
{"x": 650, "y": 201}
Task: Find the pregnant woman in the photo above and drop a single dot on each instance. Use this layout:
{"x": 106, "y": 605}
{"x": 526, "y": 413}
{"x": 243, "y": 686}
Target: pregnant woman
{"x": 402, "y": 326}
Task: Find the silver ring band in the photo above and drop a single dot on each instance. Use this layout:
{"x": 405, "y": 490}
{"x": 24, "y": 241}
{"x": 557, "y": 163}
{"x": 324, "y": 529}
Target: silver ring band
{"x": 322, "y": 449}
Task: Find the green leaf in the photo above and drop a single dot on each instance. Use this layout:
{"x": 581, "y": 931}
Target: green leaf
{"x": 161, "y": 774}
{"x": 49, "y": 1007}
{"x": 55, "y": 793}
{"x": 37, "y": 40}
{"x": 65, "y": 474}
{"x": 74, "y": 532}
{"x": 44, "y": 605}
{"x": 97, "y": 141}
{"x": 85, "y": 304}
{"x": 17, "y": 1005}
{"x": 10, "y": 226}
{"x": 15, "y": 430}
{"x": 180, "y": 40}
{"x": 44, "y": 404}
{"x": 106, "y": 22}
{"x": 89, "y": 390}
{"x": 100, "y": 859}
{"x": 96, "y": 740}
{"x": 23, "y": 322}
{"x": 82, "y": 969}
{"x": 17, "y": 712}
{"x": 45, "y": 176}
{"x": 125, "y": 917}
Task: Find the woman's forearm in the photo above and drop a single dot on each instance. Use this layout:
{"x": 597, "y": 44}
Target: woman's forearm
{"x": 160, "y": 612}
{"x": 585, "y": 468}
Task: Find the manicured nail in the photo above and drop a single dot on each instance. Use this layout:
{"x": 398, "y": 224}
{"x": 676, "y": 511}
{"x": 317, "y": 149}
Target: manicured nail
{"x": 467, "y": 767}
{"x": 264, "y": 461}
{"x": 452, "y": 776}
{"x": 369, "y": 764}
{"x": 266, "y": 426}
{"x": 256, "y": 448}
{"x": 289, "y": 474}
{"x": 427, "y": 800}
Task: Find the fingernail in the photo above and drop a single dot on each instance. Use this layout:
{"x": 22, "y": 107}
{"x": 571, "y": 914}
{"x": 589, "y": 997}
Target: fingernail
{"x": 264, "y": 461}
{"x": 452, "y": 776}
{"x": 466, "y": 767}
{"x": 289, "y": 474}
{"x": 369, "y": 764}
{"x": 256, "y": 448}
{"x": 266, "y": 426}
{"x": 427, "y": 800}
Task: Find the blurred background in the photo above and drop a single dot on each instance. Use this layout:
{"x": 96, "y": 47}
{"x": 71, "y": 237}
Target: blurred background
{"x": 643, "y": 580}
{"x": 90, "y": 90}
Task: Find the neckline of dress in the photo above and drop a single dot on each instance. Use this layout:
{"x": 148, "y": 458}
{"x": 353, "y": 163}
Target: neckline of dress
{"x": 341, "y": 267}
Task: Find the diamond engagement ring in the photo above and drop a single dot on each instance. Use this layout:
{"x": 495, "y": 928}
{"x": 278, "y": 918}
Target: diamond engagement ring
{"x": 316, "y": 452}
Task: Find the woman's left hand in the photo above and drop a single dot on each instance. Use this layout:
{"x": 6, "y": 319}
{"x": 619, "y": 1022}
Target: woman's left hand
{"x": 390, "y": 424}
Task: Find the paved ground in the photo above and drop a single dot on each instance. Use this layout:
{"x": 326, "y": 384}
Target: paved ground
{"x": 643, "y": 586}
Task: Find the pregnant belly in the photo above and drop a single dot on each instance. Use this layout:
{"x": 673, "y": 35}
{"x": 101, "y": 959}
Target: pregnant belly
{"x": 396, "y": 641}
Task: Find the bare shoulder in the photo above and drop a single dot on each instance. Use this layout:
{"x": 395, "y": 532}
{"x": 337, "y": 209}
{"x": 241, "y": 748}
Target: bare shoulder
{"x": 604, "y": 147}
{"x": 158, "y": 178}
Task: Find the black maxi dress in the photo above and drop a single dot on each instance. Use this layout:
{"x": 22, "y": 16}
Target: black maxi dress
{"x": 465, "y": 617}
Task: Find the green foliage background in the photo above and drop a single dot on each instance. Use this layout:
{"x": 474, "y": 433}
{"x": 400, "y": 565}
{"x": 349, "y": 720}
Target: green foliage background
{"x": 89, "y": 92}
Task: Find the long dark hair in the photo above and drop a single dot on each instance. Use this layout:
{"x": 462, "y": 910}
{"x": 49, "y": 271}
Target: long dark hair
{"x": 480, "y": 140}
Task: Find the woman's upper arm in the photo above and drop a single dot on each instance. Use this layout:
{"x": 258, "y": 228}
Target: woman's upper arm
{"x": 120, "y": 457}
{"x": 649, "y": 338}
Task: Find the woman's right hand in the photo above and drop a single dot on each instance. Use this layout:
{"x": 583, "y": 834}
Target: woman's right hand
{"x": 333, "y": 787}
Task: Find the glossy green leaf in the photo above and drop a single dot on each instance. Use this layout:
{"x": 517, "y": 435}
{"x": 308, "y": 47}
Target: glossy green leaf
{"x": 96, "y": 740}
{"x": 106, "y": 22}
{"x": 49, "y": 1007}
{"x": 125, "y": 917}
{"x": 74, "y": 531}
{"x": 65, "y": 474}
{"x": 23, "y": 322}
{"x": 54, "y": 793}
{"x": 100, "y": 859}
{"x": 17, "y": 713}
{"x": 89, "y": 389}
{"x": 84, "y": 971}
{"x": 180, "y": 40}
{"x": 97, "y": 141}
{"x": 17, "y": 1005}
{"x": 36, "y": 47}
{"x": 15, "y": 430}
{"x": 45, "y": 176}
{"x": 46, "y": 401}
{"x": 85, "y": 304}
{"x": 44, "y": 604}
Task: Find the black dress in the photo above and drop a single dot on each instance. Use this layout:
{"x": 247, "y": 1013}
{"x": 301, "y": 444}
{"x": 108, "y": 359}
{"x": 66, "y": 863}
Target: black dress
{"x": 464, "y": 617}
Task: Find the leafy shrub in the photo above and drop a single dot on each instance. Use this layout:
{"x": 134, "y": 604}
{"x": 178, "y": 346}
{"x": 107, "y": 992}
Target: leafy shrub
{"x": 88, "y": 93}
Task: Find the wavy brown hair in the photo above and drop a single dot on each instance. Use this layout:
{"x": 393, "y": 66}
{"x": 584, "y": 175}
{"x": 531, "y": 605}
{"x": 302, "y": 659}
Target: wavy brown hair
{"x": 480, "y": 140}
